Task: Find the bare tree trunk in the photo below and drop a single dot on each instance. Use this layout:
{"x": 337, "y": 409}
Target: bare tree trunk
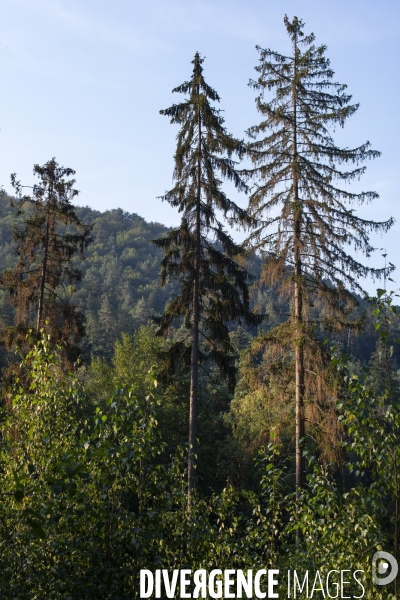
{"x": 298, "y": 300}
{"x": 195, "y": 336}
{"x": 44, "y": 274}
{"x": 396, "y": 525}
{"x": 299, "y": 379}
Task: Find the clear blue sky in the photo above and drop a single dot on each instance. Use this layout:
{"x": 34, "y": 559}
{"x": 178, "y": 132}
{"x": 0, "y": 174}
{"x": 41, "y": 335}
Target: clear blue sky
{"x": 84, "y": 80}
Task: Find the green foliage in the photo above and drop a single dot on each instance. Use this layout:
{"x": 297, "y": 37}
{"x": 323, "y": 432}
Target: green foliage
{"x": 371, "y": 416}
{"x": 119, "y": 288}
{"x": 78, "y": 493}
{"x": 134, "y": 356}
{"x": 86, "y": 501}
{"x": 135, "y": 361}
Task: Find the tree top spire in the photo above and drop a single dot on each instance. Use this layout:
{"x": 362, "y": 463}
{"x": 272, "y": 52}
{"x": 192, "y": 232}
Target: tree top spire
{"x": 295, "y": 30}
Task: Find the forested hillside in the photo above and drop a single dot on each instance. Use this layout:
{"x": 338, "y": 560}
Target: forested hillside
{"x": 120, "y": 287}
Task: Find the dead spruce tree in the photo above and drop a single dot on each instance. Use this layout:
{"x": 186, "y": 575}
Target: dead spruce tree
{"x": 41, "y": 284}
{"x": 200, "y": 254}
{"x": 305, "y": 218}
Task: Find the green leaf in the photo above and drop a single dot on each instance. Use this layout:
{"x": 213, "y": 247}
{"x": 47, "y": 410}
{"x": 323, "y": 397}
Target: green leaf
{"x": 19, "y": 495}
{"x": 36, "y": 528}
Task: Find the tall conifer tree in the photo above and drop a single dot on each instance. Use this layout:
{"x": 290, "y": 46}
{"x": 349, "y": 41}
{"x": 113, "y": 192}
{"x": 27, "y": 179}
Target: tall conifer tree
{"x": 41, "y": 283}
{"x": 200, "y": 254}
{"x": 306, "y": 222}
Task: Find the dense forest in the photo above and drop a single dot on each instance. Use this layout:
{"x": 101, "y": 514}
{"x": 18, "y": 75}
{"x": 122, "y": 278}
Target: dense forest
{"x": 172, "y": 399}
{"x": 120, "y": 287}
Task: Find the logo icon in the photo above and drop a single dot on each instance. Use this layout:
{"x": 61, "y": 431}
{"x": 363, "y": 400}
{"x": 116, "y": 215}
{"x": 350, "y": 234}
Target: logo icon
{"x": 380, "y": 566}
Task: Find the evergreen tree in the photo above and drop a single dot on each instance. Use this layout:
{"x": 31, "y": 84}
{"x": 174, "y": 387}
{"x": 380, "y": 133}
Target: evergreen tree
{"x": 41, "y": 284}
{"x": 200, "y": 254}
{"x": 305, "y": 217}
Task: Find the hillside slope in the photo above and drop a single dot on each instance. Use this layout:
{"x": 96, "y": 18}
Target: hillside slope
{"x": 120, "y": 281}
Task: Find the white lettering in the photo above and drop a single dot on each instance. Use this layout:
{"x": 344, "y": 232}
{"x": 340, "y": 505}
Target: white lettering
{"x": 215, "y": 591}
{"x": 317, "y": 589}
{"x": 343, "y": 582}
{"x": 228, "y": 583}
{"x": 158, "y": 584}
{"x": 257, "y": 591}
{"x": 272, "y": 583}
{"x": 200, "y": 580}
{"x": 146, "y": 577}
{"x": 305, "y": 583}
{"x": 170, "y": 587}
{"x": 243, "y": 584}
{"x": 184, "y": 583}
{"x": 334, "y": 584}
{"x": 359, "y": 583}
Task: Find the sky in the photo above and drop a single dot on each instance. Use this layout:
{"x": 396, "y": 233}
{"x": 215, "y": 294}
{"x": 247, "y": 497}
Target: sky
{"x": 84, "y": 81}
